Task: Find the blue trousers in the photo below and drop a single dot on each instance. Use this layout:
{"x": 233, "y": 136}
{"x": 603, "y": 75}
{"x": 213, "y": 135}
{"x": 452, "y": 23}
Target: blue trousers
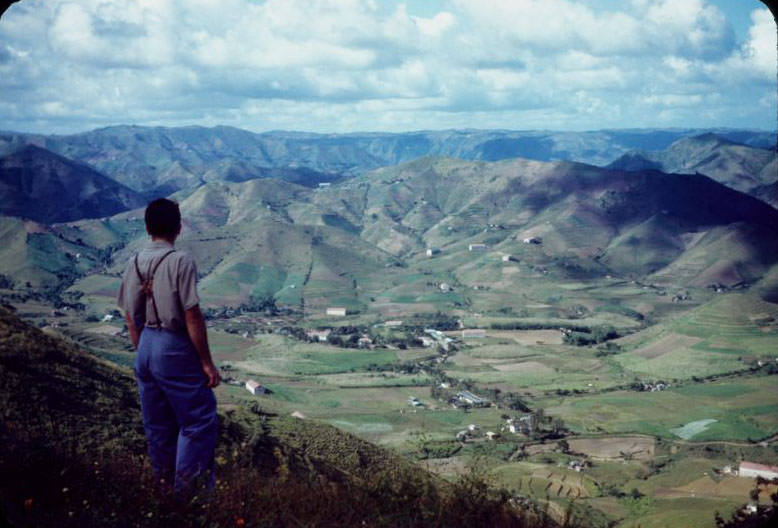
{"x": 179, "y": 410}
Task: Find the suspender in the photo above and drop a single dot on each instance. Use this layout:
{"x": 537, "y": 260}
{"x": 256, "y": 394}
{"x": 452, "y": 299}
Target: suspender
{"x": 148, "y": 285}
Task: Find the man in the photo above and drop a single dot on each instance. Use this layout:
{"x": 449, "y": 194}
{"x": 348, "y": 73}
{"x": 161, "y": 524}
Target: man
{"x": 173, "y": 364}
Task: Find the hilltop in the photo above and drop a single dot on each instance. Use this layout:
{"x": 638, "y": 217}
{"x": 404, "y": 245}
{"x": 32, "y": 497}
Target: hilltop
{"x": 73, "y": 455}
{"x": 741, "y": 167}
{"x": 40, "y": 185}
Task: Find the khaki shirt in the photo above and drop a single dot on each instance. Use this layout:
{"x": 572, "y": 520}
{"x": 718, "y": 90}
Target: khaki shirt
{"x": 175, "y": 288}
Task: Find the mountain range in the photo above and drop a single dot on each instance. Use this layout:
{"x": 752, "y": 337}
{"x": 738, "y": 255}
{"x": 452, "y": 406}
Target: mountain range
{"x": 157, "y": 161}
{"x": 275, "y": 231}
{"x": 359, "y": 242}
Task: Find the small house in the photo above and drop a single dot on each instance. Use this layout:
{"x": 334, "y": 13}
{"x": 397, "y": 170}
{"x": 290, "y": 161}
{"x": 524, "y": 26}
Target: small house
{"x": 318, "y": 335}
{"x": 337, "y": 311}
{"x": 254, "y": 388}
{"x": 431, "y": 252}
{"x": 476, "y": 247}
{"x": 469, "y": 397}
{"x": 575, "y": 465}
{"x": 323, "y": 185}
{"x": 473, "y": 332}
{"x": 445, "y": 287}
{"x": 364, "y": 342}
{"x": 533, "y": 240}
{"x": 393, "y": 323}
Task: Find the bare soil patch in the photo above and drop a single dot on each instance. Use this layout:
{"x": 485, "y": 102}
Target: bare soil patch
{"x": 529, "y": 367}
{"x": 666, "y": 344}
{"x": 729, "y": 486}
{"x": 635, "y": 447}
{"x": 530, "y": 337}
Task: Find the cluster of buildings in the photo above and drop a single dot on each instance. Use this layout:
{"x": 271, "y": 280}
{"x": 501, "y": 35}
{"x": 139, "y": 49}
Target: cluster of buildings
{"x": 521, "y": 425}
{"x": 433, "y": 337}
{"x": 653, "y": 387}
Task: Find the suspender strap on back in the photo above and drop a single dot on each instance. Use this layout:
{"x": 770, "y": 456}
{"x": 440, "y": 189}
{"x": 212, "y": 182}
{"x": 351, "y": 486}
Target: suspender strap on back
{"x": 148, "y": 284}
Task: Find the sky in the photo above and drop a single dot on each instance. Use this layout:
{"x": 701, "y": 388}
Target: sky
{"x": 384, "y": 65}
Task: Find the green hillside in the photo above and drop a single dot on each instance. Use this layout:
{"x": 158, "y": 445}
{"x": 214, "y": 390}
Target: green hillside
{"x": 362, "y": 243}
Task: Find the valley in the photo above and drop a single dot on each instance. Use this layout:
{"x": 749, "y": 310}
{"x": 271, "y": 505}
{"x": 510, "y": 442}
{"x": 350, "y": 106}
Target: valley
{"x": 604, "y": 337}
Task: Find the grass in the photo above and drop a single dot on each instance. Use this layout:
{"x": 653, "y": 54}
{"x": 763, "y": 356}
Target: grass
{"x": 751, "y": 413}
{"x": 681, "y": 364}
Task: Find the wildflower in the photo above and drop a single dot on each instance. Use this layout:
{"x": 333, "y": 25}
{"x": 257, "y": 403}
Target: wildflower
{"x": 28, "y": 504}
{"x": 239, "y": 522}
{"x": 150, "y": 515}
{"x": 64, "y": 490}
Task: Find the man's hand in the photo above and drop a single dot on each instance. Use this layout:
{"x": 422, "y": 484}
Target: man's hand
{"x": 214, "y": 378}
{"x": 195, "y": 327}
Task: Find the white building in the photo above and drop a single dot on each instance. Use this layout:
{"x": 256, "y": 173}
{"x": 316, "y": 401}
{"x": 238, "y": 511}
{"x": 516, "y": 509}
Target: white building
{"x": 751, "y": 469}
{"x": 426, "y": 342}
{"x": 476, "y": 247}
{"x": 469, "y": 397}
{"x": 473, "y": 332}
{"x": 254, "y": 388}
{"x": 533, "y": 240}
{"x": 319, "y": 335}
{"x": 336, "y": 310}
{"x": 431, "y": 252}
{"x": 392, "y": 323}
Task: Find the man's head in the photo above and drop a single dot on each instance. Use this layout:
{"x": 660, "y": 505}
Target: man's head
{"x": 163, "y": 219}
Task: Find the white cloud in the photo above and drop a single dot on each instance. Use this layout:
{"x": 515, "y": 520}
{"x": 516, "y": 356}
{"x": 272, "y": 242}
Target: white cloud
{"x": 351, "y": 64}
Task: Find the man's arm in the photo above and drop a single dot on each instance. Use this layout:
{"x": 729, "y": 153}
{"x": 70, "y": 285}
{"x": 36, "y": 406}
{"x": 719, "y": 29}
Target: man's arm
{"x": 195, "y": 327}
{"x": 133, "y": 330}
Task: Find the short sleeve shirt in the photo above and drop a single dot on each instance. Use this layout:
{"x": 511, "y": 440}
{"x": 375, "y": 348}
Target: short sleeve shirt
{"x": 174, "y": 287}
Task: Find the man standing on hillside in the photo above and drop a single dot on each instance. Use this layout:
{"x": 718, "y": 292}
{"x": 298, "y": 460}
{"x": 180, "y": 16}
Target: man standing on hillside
{"x": 173, "y": 365}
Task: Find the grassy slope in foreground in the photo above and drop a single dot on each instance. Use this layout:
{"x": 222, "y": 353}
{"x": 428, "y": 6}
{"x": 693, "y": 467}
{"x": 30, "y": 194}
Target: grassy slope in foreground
{"x": 72, "y": 454}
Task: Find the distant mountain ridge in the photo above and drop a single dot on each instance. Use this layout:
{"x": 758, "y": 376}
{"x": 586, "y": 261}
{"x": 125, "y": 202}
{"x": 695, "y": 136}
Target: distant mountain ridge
{"x": 738, "y": 166}
{"x": 158, "y": 160}
{"x": 40, "y": 185}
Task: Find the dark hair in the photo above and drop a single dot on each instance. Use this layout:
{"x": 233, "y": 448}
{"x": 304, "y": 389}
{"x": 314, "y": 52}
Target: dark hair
{"x": 163, "y": 218}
